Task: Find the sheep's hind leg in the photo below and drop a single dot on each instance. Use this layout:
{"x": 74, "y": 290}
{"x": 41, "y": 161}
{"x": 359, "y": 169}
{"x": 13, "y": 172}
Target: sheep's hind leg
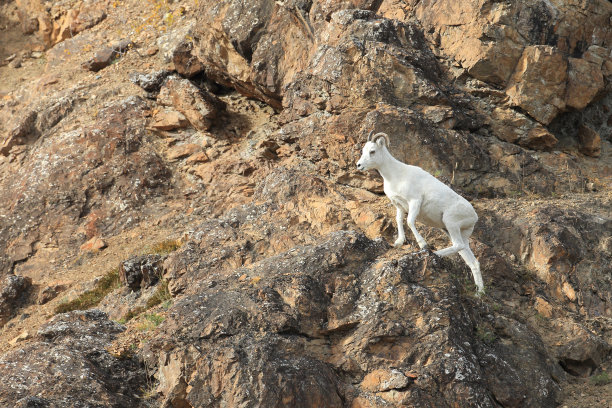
{"x": 471, "y": 261}
{"x": 456, "y": 239}
{"x": 401, "y": 235}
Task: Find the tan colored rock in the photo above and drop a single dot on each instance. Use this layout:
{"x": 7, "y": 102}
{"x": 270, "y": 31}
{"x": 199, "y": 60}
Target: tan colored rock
{"x": 60, "y": 21}
{"x": 585, "y": 81}
{"x": 607, "y": 69}
{"x": 590, "y": 141}
{"x": 538, "y": 83}
{"x": 93, "y": 245}
{"x": 185, "y": 62}
{"x": 25, "y": 335}
{"x": 168, "y": 119}
{"x": 385, "y": 380}
{"x": 538, "y": 138}
{"x": 182, "y": 151}
{"x": 198, "y": 106}
{"x": 199, "y": 157}
{"x": 543, "y": 307}
{"x": 596, "y": 55}
{"x": 509, "y": 125}
{"x": 50, "y": 292}
{"x": 569, "y": 291}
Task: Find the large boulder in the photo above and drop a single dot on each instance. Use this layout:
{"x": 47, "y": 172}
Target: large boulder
{"x": 14, "y": 291}
{"x": 342, "y": 317}
{"x": 71, "y": 346}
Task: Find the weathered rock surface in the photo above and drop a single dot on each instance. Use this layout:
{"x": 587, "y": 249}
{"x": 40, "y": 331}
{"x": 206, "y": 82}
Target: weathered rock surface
{"x": 583, "y": 355}
{"x": 106, "y": 56}
{"x": 13, "y": 293}
{"x": 538, "y": 83}
{"x": 111, "y": 158}
{"x": 61, "y": 21}
{"x": 141, "y": 272}
{"x": 198, "y": 106}
{"x": 71, "y": 347}
{"x": 236, "y": 126}
{"x": 333, "y": 316}
{"x": 568, "y": 248}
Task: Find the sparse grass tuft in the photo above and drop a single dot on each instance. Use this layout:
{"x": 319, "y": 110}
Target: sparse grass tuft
{"x": 601, "y": 379}
{"x": 486, "y": 335}
{"x": 165, "y": 247}
{"x": 151, "y": 321}
{"x": 131, "y": 314}
{"x": 91, "y": 298}
{"x": 162, "y": 294}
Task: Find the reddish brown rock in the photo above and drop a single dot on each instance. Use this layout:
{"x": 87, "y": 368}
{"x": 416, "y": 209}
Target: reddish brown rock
{"x": 385, "y": 380}
{"x": 539, "y": 138}
{"x": 168, "y": 119}
{"x": 590, "y": 141}
{"x": 184, "y": 150}
{"x": 198, "y": 106}
{"x": 585, "y": 82}
{"x": 93, "y": 245}
{"x": 538, "y": 83}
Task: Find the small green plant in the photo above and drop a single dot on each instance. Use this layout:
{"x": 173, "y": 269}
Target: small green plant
{"x": 165, "y": 247}
{"x": 132, "y": 313}
{"x": 91, "y": 298}
{"x": 541, "y": 318}
{"x": 151, "y": 321}
{"x": 162, "y": 294}
{"x": 601, "y": 379}
{"x": 486, "y": 335}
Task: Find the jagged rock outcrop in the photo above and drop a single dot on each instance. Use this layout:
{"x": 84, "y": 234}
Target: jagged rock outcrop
{"x": 111, "y": 168}
{"x": 334, "y": 316}
{"x": 13, "y": 293}
{"x": 71, "y": 348}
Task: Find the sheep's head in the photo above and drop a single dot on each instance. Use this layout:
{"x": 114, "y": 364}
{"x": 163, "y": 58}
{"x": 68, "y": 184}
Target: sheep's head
{"x": 373, "y": 152}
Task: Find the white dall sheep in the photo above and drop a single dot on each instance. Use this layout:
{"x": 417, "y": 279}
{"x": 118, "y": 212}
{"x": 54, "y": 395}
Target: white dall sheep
{"x": 423, "y": 197}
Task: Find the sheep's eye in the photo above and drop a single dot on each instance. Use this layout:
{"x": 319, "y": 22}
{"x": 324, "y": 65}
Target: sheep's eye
{"x": 372, "y": 152}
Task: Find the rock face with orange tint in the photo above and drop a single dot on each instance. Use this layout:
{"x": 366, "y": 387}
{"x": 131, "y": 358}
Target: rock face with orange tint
{"x": 538, "y": 83}
{"x": 232, "y": 129}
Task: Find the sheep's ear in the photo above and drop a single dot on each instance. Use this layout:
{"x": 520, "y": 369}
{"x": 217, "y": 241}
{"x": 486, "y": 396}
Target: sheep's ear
{"x": 381, "y": 139}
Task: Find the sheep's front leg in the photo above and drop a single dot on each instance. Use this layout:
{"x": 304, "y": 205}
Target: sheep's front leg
{"x": 413, "y": 212}
{"x": 399, "y": 219}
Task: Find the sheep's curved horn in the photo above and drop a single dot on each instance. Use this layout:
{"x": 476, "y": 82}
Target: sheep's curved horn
{"x": 370, "y": 135}
{"x": 384, "y": 136}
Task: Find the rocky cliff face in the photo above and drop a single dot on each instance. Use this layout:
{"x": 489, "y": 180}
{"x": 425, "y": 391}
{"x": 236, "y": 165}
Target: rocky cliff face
{"x": 187, "y": 170}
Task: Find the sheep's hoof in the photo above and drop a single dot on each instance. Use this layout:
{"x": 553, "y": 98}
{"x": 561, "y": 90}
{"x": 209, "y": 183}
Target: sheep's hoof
{"x": 398, "y": 243}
